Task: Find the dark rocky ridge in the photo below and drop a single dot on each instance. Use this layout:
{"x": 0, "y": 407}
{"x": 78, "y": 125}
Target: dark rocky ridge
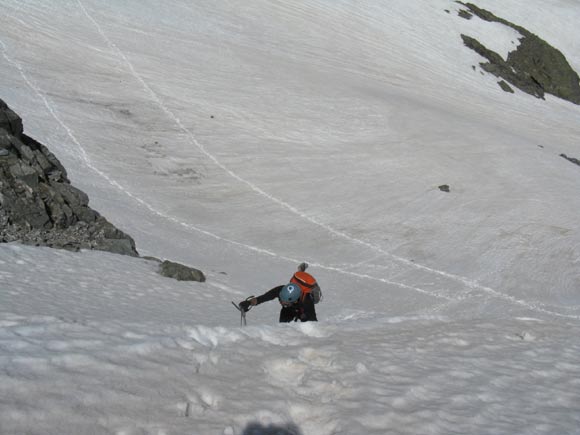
{"x": 535, "y": 67}
{"x": 38, "y": 204}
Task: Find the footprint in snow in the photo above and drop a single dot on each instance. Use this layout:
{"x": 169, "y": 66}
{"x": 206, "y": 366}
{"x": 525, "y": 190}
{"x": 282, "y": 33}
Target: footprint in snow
{"x": 285, "y": 370}
{"x": 322, "y": 359}
{"x": 199, "y": 401}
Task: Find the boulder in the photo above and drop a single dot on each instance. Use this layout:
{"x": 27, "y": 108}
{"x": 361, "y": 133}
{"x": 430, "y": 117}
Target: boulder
{"x": 571, "y": 159}
{"x": 180, "y": 272}
{"x": 505, "y": 87}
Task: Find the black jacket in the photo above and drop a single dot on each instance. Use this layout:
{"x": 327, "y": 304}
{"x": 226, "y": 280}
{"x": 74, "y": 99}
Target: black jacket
{"x": 301, "y": 310}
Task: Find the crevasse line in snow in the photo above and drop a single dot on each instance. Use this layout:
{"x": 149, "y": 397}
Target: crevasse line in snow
{"x": 251, "y": 185}
{"x": 114, "y": 183}
{"x": 84, "y": 156}
{"x": 472, "y": 284}
{"x": 87, "y": 161}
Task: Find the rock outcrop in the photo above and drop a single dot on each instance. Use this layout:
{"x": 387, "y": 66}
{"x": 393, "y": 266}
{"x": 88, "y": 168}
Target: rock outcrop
{"x": 535, "y": 67}
{"x": 180, "y": 272}
{"x": 571, "y": 159}
{"x": 38, "y": 204}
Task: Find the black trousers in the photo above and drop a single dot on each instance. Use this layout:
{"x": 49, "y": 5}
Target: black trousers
{"x": 290, "y": 314}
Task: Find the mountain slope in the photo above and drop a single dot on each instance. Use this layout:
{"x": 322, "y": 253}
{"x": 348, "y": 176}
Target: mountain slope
{"x": 244, "y": 137}
{"x": 102, "y": 344}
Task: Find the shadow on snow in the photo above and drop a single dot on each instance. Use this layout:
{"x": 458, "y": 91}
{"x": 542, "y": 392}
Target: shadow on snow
{"x": 259, "y": 429}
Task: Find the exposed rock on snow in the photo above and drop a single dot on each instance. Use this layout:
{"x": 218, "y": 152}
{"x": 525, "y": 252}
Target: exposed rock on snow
{"x": 465, "y": 14}
{"x": 39, "y": 206}
{"x": 180, "y": 272}
{"x": 9, "y": 120}
{"x": 535, "y": 67}
{"x": 571, "y": 159}
{"x": 507, "y": 88}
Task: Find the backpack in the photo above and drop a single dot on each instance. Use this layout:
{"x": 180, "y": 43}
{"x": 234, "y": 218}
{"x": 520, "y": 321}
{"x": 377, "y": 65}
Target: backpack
{"x": 308, "y": 285}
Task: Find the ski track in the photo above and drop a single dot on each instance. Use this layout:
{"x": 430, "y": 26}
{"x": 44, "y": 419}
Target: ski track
{"x": 471, "y": 284}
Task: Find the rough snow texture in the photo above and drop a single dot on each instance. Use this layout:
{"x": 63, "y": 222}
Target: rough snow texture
{"x": 246, "y": 137}
{"x": 169, "y": 359}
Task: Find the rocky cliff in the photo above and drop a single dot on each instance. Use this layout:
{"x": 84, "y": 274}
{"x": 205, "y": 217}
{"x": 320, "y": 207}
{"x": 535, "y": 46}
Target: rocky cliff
{"x": 534, "y": 67}
{"x": 38, "y": 204}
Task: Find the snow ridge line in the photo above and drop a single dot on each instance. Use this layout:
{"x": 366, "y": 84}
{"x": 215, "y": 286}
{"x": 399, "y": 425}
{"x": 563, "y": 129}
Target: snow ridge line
{"x": 472, "y": 284}
{"x": 84, "y": 156}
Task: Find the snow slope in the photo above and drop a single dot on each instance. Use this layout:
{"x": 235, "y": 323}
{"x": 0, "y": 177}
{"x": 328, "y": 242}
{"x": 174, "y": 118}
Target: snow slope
{"x": 86, "y": 354}
{"x": 244, "y": 137}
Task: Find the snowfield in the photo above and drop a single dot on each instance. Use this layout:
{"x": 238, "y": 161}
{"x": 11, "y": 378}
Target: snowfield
{"x": 244, "y": 137}
{"x": 91, "y": 355}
